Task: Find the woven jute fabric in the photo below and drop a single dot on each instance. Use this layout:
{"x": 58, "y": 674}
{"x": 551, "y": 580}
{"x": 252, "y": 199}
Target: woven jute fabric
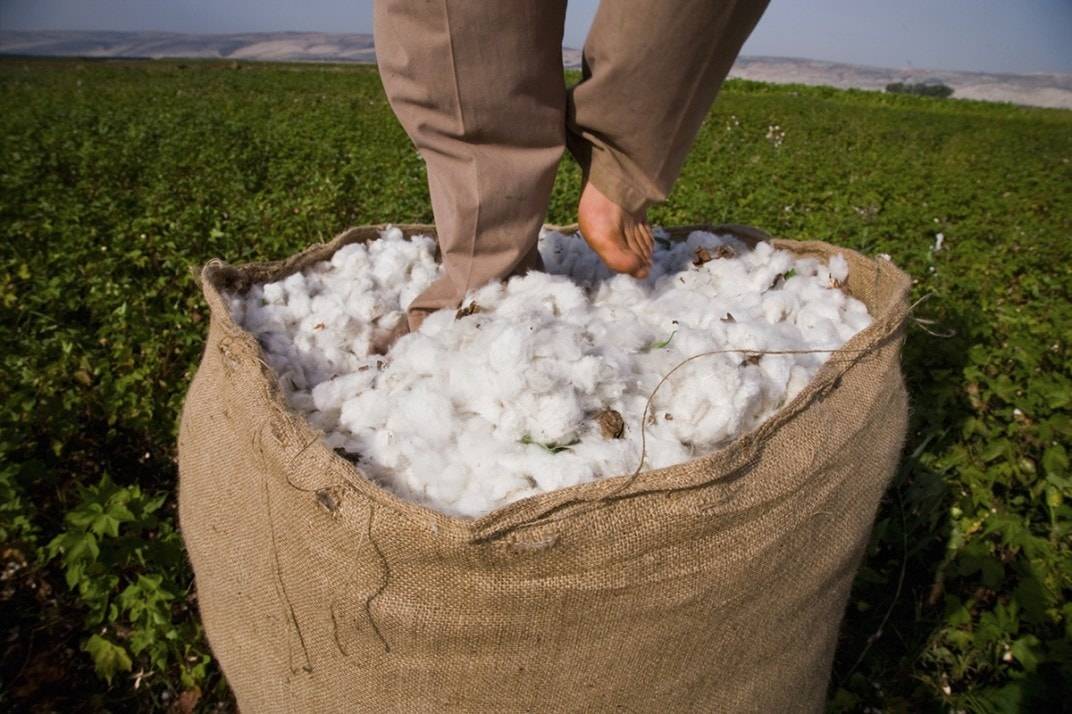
{"x": 717, "y": 585}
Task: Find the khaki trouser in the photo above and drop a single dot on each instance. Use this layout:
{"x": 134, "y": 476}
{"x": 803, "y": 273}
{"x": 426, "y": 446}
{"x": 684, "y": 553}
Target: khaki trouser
{"x": 478, "y": 87}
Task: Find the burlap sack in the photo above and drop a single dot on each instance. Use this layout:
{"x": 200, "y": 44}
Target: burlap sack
{"x": 715, "y": 585}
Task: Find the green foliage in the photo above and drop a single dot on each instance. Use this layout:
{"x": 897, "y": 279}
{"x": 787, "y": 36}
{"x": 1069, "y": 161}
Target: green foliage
{"x": 117, "y": 178}
{"x": 127, "y": 566}
{"x": 553, "y": 447}
{"x": 922, "y": 89}
{"x": 659, "y": 344}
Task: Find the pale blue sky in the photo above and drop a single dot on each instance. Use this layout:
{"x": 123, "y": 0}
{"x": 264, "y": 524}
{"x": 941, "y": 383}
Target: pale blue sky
{"x": 983, "y": 35}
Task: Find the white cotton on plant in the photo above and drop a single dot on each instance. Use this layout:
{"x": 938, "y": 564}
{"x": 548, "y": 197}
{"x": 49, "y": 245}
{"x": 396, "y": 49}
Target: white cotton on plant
{"x": 517, "y": 395}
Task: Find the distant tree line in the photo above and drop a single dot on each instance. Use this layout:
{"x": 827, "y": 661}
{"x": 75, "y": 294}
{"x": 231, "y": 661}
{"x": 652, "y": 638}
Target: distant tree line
{"x": 923, "y": 89}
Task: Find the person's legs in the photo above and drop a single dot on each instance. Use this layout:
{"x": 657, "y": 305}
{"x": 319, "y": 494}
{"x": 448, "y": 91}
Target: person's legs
{"x": 478, "y": 87}
{"x": 650, "y": 73}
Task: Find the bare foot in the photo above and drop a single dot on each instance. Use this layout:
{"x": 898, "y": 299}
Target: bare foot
{"x": 623, "y": 241}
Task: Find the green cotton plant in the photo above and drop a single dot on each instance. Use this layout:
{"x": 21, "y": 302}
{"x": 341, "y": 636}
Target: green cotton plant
{"x": 113, "y": 541}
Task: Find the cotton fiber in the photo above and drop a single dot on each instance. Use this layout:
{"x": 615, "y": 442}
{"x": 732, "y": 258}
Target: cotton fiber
{"x": 511, "y": 395}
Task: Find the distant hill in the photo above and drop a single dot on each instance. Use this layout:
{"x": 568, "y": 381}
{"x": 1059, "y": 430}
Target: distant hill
{"x": 264, "y": 46}
{"x": 1041, "y": 90}
{"x": 1044, "y": 90}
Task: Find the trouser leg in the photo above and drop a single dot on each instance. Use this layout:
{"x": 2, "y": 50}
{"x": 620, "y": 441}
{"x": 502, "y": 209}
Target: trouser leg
{"x": 478, "y": 87}
{"x": 650, "y": 73}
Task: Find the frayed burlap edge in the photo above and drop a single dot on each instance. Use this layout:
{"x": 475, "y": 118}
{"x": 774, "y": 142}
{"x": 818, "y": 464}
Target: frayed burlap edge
{"x": 287, "y": 438}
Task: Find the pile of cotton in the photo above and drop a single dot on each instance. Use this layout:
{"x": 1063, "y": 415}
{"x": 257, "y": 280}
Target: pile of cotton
{"x": 541, "y": 383}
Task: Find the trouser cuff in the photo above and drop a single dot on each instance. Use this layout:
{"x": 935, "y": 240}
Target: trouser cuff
{"x": 602, "y": 169}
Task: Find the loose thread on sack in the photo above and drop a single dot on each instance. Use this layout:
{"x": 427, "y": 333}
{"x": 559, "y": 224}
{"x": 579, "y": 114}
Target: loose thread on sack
{"x": 351, "y": 582}
{"x": 925, "y": 323}
{"x": 383, "y": 586}
{"x": 281, "y": 588}
{"x": 607, "y": 498}
{"x": 335, "y": 630}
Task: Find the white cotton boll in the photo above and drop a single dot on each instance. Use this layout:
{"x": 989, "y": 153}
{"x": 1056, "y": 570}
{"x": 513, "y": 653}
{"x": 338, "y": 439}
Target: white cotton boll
{"x": 383, "y": 449}
{"x": 342, "y": 255}
{"x": 798, "y": 379}
{"x": 295, "y": 284}
{"x": 542, "y": 377}
{"x": 335, "y": 392}
{"x": 513, "y": 424}
{"x": 776, "y": 369}
{"x": 389, "y": 269}
{"x": 469, "y": 381}
{"x": 389, "y": 319}
{"x": 839, "y": 268}
{"x": 778, "y": 263}
{"x": 332, "y": 358}
{"x": 474, "y": 501}
{"x": 502, "y": 485}
{"x": 367, "y": 410}
{"x": 663, "y": 452}
{"x": 298, "y": 306}
{"x": 438, "y": 322}
{"x": 749, "y": 336}
{"x": 561, "y": 470}
{"x": 621, "y": 327}
{"x": 418, "y": 353}
{"x": 825, "y": 309}
{"x": 584, "y": 374}
{"x": 557, "y": 340}
{"x": 808, "y": 267}
{"x": 777, "y": 305}
{"x": 389, "y": 235}
{"x": 447, "y": 482}
{"x": 815, "y": 328}
{"x": 621, "y": 290}
{"x": 509, "y": 348}
{"x": 424, "y": 412}
{"x": 557, "y": 419}
{"x": 760, "y": 254}
{"x": 329, "y": 309}
{"x": 477, "y": 446}
{"x": 845, "y": 331}
{"x": 716, "y": 424}
{"x": 363, "y": 306}
{"x": 566, "y": 297}
{"x": 607, "y": 457}
{"x": 420, "y": 278}
{"x": 856, "y": 316}
{"x": 687, "y": 341}
{"x": 488, "y": 296}
{"x": 424, "y": 244}
{"x": 274, "y": 293}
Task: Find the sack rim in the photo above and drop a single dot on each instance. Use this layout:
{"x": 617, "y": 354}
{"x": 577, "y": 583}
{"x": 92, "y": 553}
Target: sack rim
{"x": 539, "y": 509}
